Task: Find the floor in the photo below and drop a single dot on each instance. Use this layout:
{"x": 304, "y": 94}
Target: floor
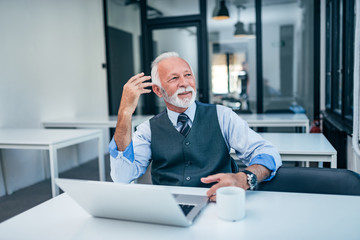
{"x": 33, "y": 195}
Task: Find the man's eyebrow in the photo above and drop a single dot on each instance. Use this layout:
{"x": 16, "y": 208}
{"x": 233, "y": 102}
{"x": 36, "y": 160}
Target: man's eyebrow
{"x": 171, "y": 75}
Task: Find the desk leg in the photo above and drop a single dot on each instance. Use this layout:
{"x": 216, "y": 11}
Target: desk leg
{"x": 101, "y": 157}
{"x": 44, "y": 157}
{"x": 8, "y": 190}
{"x": 54, "y": 173}
{"x": 334, "y": 161}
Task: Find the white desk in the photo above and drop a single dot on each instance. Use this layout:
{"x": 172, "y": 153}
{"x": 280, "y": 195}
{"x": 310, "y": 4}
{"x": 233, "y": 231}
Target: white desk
{"x": 302, "y": 147}
{"x": 254, "y": 120}
{"x": 269, "y": 215}
{"x": 277, "y": 120}
{"x": 81, "y": 122}
{"x": 51, "y": 140}
{"x": 92, "y": 122}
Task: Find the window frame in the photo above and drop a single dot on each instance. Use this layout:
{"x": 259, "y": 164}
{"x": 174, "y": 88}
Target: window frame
{"x": 343, "y": 69}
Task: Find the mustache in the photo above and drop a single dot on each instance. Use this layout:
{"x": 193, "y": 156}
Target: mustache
{"x": 187, "y": 89}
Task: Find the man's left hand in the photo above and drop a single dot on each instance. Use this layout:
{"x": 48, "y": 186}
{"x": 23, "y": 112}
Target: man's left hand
{"x": 223, "y": 180}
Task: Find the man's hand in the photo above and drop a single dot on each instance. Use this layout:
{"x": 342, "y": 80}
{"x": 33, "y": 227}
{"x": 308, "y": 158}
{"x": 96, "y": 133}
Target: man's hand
{"x": 223, "y": 180}
{"x": 129, "y": 101}
{"x": 132, "y": 91}
{"x": 234, "y": 179}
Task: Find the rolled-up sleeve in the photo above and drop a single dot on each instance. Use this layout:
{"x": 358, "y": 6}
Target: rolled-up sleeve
{"x": 132, "y": 163}
{"x": 249, "y": 146}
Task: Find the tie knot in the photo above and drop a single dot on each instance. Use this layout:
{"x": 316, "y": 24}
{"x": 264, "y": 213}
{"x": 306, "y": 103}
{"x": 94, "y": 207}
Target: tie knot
{"x": 183, "y": 118}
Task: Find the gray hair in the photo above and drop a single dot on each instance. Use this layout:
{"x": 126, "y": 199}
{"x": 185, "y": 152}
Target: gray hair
{"x": 154, "y": 66}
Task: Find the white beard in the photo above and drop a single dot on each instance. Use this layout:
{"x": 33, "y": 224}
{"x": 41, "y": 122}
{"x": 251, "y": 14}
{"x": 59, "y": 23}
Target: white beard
{"x": 178, "y": 102}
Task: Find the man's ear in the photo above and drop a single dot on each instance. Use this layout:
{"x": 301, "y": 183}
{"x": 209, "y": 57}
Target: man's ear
{"x": 157, "y": 91}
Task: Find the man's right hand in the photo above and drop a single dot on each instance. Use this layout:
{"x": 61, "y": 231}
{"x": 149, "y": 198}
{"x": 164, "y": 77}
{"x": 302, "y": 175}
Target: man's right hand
{"x": 132, "y": 91}
{"x": 129, "y": 101}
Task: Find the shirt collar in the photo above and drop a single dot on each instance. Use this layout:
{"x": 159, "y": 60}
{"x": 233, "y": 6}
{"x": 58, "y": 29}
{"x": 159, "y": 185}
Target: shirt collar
{"x": 173, "y": 116}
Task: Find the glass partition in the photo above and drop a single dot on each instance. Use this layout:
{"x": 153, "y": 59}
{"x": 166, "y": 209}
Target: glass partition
{"x": 232, "y": 52}
{"x": 287, "y": 44}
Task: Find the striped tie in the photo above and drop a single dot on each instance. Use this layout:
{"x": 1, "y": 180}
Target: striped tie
{"x": 184, "y": 119}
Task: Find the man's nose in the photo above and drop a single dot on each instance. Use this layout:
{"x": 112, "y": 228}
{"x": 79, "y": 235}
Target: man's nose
{"x": 183, "y": 81}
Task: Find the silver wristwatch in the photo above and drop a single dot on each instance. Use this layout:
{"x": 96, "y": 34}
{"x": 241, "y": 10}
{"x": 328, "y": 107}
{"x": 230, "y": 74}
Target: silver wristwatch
{"x": 251, "y": 179}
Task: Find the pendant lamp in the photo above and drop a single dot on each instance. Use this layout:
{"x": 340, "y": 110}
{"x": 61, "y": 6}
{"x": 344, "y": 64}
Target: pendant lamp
{"x": 220, "y": 11}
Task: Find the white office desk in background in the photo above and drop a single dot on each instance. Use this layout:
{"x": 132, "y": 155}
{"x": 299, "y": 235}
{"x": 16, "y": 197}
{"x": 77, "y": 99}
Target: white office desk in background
{"x": 254, "y": 120}
{"x": 92, "y": 122}
{"x": 277, "y": 120}
{"x": 269, "y": 215}
{"x": 51, "y": 140}
{"x": 302, "y": 147}
{"x": 81, "y": 122}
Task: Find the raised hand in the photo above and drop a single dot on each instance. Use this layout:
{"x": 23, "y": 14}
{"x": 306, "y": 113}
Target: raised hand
{"x": 132, "y": 91}
{"x": 129, "y": 101}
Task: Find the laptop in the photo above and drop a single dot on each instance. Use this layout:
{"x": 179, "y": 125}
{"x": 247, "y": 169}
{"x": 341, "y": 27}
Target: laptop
{"x": 134, "y": 202}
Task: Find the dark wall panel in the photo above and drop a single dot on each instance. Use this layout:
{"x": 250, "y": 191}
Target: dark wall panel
{"x": 121, "y": 65}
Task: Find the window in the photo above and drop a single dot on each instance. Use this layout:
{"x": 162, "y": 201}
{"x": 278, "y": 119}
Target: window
{"x": 340, "y": 29}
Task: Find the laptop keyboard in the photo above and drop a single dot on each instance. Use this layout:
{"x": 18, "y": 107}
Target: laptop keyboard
{"x": 186, "y": 208}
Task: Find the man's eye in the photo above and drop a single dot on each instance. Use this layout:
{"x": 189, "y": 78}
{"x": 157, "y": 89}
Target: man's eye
{"x": 172, "y": 79}
{"x": 188, "y": 75}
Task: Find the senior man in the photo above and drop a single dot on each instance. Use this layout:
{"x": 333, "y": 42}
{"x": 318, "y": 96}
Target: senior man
{"x": 189, "y": 143}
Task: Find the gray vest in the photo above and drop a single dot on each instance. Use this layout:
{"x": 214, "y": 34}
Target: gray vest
{"x": 182, "y": 161}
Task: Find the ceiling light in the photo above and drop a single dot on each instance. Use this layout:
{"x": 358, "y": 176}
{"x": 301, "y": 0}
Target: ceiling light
{"x": 239, "y": 26}
{"x": 220, "y": 11}
{"x": 240, "y": 30}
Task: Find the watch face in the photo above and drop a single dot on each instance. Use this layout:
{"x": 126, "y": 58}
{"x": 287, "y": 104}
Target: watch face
{"x": 253, "y": 180}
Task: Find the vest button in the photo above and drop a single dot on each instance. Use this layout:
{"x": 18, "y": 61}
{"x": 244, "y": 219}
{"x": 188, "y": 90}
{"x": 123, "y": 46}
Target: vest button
{"x": 187, "y": 143}
{"x": 188, "y": 178}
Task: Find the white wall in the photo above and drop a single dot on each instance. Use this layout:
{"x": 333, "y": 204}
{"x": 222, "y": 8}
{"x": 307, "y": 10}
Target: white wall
{"x": 50, "y": 67}
{"x": 271, "y": 53}
{"x": 273, "y": 17}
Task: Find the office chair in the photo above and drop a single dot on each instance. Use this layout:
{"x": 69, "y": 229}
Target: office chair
{"x": 146, "y": 178}
{"x": 314, "y": 180}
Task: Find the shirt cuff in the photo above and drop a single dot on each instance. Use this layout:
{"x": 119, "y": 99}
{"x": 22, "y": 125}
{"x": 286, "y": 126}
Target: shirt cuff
{"x": 267, "y": 161}
{"x": 127, "y": 153}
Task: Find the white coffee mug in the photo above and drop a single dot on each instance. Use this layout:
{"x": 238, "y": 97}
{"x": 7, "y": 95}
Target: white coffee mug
{"x": 230, "y": 203}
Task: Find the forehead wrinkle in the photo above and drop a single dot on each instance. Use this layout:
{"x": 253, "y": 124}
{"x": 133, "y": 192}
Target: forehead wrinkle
{"x": 164, "y": 68}
{"x": 176, "y": 73}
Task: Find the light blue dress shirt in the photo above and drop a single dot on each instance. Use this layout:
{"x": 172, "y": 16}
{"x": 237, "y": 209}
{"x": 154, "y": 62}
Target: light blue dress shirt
{"x": 249, "y": 146}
